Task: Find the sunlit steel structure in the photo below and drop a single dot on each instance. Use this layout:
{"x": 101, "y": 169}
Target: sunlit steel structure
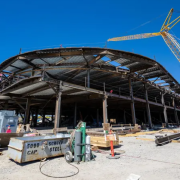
{"x": 101, "y": 83}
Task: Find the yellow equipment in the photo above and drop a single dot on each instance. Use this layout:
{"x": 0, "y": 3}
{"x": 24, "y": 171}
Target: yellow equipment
{"x": 168, "y": 38}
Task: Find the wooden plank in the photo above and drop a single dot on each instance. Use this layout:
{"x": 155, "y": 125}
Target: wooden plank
{"x": 100, "y": 141}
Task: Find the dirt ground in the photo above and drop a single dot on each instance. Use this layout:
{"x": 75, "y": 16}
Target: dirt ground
{"x": 141, "y": 157}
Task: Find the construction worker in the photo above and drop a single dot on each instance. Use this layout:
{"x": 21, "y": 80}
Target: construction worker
{"x": 8, "y": 130}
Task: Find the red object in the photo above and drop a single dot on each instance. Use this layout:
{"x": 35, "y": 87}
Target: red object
{"x": 111, "y": 91}
{"x": 29, "y": 135}
{"x": 112, "y": 147}
{"x": 8, "y": 131}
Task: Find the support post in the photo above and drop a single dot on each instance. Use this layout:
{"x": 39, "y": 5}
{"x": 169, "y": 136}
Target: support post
{"x": 132, "y": 102}
{"x": 88, "y": 78}
{"x": 147, "y": 107}
{"x": 175, "y": 112}
{"x": 58, "y": 107}
{"x": 75, "y": 115}
{"x": 105, "y": 115}
{"x": 27, "y": 112}
{"x": 164, "y": 109}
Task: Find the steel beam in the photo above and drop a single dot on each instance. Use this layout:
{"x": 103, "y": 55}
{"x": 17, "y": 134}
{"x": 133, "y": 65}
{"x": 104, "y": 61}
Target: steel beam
{"x": 166, "y": 139}
{"x": 132, "y": 102}
{"x": 147, "y": 107}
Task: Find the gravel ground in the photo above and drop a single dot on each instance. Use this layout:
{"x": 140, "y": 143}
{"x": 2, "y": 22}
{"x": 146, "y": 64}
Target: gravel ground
{"x": 141, "y": 157}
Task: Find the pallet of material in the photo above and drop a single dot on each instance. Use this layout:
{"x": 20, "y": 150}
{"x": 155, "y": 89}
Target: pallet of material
{"x": 100, "y": 141}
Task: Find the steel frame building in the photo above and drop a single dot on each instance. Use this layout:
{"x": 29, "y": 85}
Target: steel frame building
{"x": 113, "y": 82}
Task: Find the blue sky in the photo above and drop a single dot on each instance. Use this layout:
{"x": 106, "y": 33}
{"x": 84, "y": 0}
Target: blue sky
{"x": 43, "y": 24}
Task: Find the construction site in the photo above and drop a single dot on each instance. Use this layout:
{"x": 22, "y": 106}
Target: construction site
{"x": 90, "y": 113}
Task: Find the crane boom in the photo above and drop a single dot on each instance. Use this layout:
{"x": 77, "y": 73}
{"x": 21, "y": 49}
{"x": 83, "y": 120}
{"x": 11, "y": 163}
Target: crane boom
{"x": 137, "y": 36}
{"x": 168, "y": 38}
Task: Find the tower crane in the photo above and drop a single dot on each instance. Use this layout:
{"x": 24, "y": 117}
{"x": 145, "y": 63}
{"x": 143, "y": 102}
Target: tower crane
{"x": 164, "y": 32}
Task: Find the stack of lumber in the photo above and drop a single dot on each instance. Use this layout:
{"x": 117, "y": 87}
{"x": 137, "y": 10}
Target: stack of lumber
{"x": 98, "y": 139}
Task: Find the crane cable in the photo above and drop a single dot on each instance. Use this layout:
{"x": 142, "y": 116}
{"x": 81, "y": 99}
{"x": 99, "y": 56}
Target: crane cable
{"x": 150, "y": 21}
{"x": 144, "y": 23}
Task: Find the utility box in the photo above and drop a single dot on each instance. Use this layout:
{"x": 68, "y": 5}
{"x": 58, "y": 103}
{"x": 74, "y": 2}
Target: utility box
{"x": 8, "y": 118}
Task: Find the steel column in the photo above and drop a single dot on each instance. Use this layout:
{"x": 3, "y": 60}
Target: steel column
{"x": 58, "y": 107}
{"x": 132, "y": 102}
{"x": 147, "y": 107}
{"x": 175, "y": 112}
{"x": 88, "y": 78}
{"x": 27, "y": 111}
{"x": 75, "y": 115}
{"x": 105, "y": 115}
{"x": 164, "y": 109}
